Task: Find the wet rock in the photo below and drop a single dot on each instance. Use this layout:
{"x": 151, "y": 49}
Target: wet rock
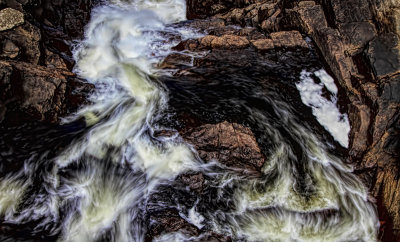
{"x": 10, "y": 18}
{"x": 176, "y": 59}
{"x": 231, "y": 144}
{"x": 288, "y": 39}
{"x": 271, "y": 23}
{"x": 37, "y": 34}
{"x": 213, "y": 237}
{"x": 69, "y": 16}
{"x": 38, "y": 91}
{"x": 307, "y": 16}
{"x": 360, "y": 116}
{"x": 76, "y": 94}
{"x": 206, "y": 25}
{"x": 195, "y": 182}
{"x": 167, "y": 221}
{"x": 33, "y": 92}
{"x": 53, "y": 60}
{"x": 10, "y": 50}
{"x": 26, "y": 38}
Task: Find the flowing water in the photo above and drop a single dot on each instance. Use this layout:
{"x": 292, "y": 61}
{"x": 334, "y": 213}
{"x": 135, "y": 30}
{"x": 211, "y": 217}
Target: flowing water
{"x": 97, "y": 185}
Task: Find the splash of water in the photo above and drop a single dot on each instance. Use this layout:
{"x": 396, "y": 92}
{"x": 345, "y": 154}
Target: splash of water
{"x": 325, "y": 110}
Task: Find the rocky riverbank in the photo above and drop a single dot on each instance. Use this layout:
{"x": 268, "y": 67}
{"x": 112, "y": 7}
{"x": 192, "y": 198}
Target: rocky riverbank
{"x": 36, "y": 62}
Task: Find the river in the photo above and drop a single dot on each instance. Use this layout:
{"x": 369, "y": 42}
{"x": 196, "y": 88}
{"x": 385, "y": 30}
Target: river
{"x": 97, "y": 185}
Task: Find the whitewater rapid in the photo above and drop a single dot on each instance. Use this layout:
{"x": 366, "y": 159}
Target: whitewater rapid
{"x": 101, "y": 182}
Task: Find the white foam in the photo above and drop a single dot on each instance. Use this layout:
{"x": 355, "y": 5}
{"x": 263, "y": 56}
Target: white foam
{"x": 195, "y": 218}
{"x": 326, "y": 111}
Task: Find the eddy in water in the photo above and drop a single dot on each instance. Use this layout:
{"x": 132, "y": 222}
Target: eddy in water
{"x": 103, "y": 184}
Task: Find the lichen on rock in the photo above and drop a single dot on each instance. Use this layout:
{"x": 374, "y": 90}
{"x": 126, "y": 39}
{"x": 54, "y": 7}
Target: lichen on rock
{"x": 10, "y": 18}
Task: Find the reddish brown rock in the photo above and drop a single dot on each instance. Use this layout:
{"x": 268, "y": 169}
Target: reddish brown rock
{"x": 231, "y": 144}
{"x": 227, "y": 41}
{"x": 35, "y": 59}
{"x": 54, "y": 61}
{"x": 168, "y": 221}
{"x": 33, "y": 92}
{"x": 288, "y": 39}
{"x": 194, "y": 181}
{"x": 176, "y": 59}
{"x": 256, "y": 14}
{"x": 9, "y": 50}
{"x": 263, "y": 44}
{"x": 26, "y": 38}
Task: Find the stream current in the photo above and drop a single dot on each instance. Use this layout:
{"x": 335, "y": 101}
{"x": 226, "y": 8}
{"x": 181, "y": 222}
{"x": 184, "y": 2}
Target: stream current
{"x": 94, "y": 177}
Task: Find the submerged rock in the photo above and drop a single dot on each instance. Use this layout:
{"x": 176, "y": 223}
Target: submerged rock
{"x": 168, "y": 221}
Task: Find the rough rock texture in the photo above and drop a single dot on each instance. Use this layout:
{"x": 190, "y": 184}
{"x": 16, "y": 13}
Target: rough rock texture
{"x": 10, "y": 18}
{"x": 205, "y": 8}
{"x": 225, "y": 42}
{"x": 365, "y": 59}
{"x": 231, "y": 144}
{"x": 195, "y": 182}
{"x": 162, "y": 215}
{"x": 35, "y": 59}
{"x": 35, "y": 92}
{"x": 288, "y": 39}
{"x": 360, "y": 42}
{"x": 168, "y": 221}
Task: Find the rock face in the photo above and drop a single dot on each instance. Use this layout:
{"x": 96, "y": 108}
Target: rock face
{"x": 359, "y": 40}
{"x": 231, "y": 144}
{"x": 36, "y": 93}
{"x": 35, "y": 59}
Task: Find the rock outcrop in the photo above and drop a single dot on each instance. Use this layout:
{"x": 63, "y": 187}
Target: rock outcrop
{"x": 36, "y": 61}
{"x": 359, "y": 40}
{"x": 231, "y": 144}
